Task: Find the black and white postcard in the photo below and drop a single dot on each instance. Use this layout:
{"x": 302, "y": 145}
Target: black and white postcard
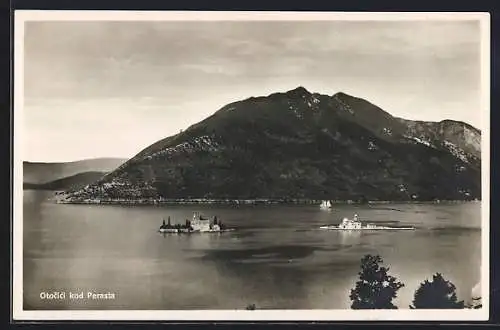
{"x": 251, "y": 166}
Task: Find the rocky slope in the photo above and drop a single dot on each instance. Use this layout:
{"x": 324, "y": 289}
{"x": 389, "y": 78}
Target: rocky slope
{"x": 302, "y": 145}
{"x": 461, "y": 139}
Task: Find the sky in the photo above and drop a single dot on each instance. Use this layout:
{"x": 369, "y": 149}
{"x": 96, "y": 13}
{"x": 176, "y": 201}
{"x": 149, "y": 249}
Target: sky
{"x": 111, "y": 88}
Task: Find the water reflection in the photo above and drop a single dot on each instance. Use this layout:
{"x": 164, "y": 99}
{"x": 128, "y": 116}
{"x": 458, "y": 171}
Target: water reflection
{"x": 349, "y": 237}
{"x": 278, "y": 257}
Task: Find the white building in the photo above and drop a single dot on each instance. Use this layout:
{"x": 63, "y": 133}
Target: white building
{"x": 350, "y": 224}
{"x": 203, "y": 225}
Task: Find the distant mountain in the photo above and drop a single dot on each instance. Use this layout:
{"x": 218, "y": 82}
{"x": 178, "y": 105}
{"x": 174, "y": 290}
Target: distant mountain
{"x": 76, "y": 181}
{"x": 299, "y": 144}
{"x": 37, "y": 173}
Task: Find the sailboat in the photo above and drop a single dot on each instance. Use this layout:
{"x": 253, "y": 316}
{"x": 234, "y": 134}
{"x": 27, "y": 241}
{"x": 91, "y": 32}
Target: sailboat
{"x": 325, "y": 205}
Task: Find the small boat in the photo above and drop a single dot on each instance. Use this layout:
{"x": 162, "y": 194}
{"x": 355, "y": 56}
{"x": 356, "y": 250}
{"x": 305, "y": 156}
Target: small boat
{"x": 325, "y": 205}
{"x": 355, "y": 224}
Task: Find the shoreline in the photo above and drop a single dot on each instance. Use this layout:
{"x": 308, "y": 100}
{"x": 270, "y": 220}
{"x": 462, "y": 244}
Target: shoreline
{"x": 239, "y": 202}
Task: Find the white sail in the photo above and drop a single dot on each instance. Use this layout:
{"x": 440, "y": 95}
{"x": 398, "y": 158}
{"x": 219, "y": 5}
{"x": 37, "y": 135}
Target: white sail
{"x": 325, "y": 205}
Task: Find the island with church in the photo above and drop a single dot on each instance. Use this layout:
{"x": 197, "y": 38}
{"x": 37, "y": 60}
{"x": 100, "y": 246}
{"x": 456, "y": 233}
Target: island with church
{"x": 198, "y": 224}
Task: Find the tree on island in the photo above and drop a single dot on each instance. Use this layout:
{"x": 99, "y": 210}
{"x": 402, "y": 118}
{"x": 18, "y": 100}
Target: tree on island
{"x": 436, "y": 294}
{"x": 375, "y": 289}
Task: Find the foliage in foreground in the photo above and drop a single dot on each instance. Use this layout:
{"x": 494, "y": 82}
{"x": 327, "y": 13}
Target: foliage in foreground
{"x": 375, "y": 288}
{"x": 436, "y": 294}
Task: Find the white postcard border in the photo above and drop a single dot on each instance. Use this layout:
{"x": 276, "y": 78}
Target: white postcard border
{"x": 21, "y": 16}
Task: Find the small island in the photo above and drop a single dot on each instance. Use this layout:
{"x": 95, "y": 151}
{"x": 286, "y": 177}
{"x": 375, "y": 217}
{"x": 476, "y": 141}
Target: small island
{"x": 198, "y": 224}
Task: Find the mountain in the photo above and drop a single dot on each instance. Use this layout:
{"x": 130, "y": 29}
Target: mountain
{"x": 299, "y": 144}
{"x": 76, "y": 181}
{"x": 459, "y": 138}
{"x": 38, "y": 173}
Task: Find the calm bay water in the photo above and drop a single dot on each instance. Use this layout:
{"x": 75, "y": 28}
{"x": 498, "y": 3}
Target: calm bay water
{"x": 277, "y": 257}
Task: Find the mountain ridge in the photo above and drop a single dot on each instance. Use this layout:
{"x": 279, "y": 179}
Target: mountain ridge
{"x": 76, "y": 181}
{"x": 298, "y": 144}
{"x": 45, "y": 172}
